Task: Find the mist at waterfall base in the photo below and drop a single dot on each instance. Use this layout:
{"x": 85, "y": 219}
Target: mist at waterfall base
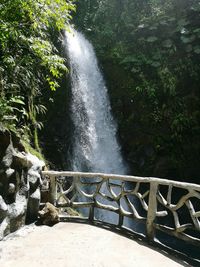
{"x": 94, "y": 143}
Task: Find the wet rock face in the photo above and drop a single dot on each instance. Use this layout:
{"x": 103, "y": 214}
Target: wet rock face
{"x": 20, "y": 181}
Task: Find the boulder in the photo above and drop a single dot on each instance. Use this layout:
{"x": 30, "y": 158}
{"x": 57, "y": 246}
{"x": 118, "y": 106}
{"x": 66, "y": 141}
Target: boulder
{"x": 3, "y": 209}
{"x": 33, "y": 206}
{"x": 35, "y": 182}
{"x": 17, "y": 212}
{"x": 4, "y": 228}
{"x": 49, "y": 215}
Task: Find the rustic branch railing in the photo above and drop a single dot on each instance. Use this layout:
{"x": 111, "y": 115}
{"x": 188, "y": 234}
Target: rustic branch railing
{"x": 169, "y": 206}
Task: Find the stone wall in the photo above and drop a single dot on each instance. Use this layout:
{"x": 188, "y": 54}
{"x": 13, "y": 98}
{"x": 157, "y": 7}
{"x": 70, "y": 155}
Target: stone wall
{"x": 20, "y": 182}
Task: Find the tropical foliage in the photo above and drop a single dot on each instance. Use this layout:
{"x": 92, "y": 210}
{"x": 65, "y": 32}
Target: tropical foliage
{"x": 29, "y": 59}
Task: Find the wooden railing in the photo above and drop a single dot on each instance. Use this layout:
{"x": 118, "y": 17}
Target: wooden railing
{"x": 168, "y": 206}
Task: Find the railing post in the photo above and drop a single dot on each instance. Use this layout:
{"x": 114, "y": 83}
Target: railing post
{"x": 121, "y": 217}
{"x": 91, "y": 213}
{"x": 53, "y": 190}
{"x": 152, "y": 209}
{"x": 120, "y": 221}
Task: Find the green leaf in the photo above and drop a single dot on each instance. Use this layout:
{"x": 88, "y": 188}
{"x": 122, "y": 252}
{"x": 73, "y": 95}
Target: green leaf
{"x": 187, "y": 40}
{"x": 183, "y": 22}
{"x": 129, "y": 59}
{"x": 197, "y": 50}
{"x": 134, "y": 70}
{"x": 167, "y": 43}
{"x": 155, "y": 64}
{"x": 152, "y": 39}
{"x": 17, "y": 101}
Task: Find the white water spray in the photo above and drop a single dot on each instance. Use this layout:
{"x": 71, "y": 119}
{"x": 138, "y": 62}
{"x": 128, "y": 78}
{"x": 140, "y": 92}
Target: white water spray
{"x": 95, "y": 146}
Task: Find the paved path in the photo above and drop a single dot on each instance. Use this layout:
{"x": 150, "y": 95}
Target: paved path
{"x": 77, "y": 245}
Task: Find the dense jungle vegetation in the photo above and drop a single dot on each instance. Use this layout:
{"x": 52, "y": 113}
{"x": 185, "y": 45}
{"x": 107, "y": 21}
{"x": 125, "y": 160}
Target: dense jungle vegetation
{"x": 149, "y": 51}
{"x": 29, "y": 61}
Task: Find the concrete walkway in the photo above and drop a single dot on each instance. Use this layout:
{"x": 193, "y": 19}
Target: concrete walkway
{"x": 77, "y": 245}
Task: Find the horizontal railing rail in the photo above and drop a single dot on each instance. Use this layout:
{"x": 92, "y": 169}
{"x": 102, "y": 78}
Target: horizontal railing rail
{"x": 168, "y": 206}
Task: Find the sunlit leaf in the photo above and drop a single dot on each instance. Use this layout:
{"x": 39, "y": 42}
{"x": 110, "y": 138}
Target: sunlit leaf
{"x": 152, "y": 39}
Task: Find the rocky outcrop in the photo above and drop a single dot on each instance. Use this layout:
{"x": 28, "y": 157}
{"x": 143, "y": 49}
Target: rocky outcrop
{"x": 20, "y": 181}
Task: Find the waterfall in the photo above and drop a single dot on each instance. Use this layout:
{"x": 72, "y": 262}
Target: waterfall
{"x": 95, "y": 147}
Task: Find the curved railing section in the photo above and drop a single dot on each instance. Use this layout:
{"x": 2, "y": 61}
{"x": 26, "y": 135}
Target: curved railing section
{"x": 168, "y": 206}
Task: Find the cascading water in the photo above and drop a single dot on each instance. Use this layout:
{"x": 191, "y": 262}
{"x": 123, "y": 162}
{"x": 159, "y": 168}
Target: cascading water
{"x": 95, "y": 147}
